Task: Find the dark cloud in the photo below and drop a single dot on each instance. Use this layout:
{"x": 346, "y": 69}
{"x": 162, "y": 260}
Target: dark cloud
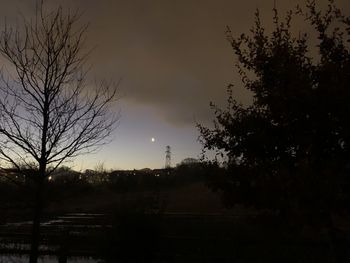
{"x": 172, "y": 55}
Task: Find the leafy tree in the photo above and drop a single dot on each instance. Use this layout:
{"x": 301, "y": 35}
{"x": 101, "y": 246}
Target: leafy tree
{"x": 288, "y": 151}
{"x": 48, "y": 112}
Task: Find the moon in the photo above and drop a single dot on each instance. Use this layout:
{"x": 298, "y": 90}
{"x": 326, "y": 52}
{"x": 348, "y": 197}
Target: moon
{"x": 152, "y": 139}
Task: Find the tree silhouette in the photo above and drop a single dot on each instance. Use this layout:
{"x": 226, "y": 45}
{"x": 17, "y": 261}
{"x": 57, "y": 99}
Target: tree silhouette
{"x": 289, "y": 149}
{"x": 49, "y": 113}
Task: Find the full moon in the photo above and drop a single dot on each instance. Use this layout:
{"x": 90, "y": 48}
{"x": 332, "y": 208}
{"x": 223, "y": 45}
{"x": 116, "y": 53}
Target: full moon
{"x": 153, "y": 140}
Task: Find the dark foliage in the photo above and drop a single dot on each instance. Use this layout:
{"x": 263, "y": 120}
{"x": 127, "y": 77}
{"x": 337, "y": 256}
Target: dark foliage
{"x": 289, "y": 150}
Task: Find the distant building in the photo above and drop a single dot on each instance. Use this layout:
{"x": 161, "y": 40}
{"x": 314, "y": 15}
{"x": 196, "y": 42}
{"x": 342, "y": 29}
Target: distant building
{"x": 188, "y": 162}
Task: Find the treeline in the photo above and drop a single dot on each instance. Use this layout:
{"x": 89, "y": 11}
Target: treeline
{"x": 130, "y": 180}
{"x": 68, "y": 184}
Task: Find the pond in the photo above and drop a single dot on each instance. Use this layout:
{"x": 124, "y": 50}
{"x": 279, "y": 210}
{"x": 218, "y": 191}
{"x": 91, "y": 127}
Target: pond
{"x": 14, "y": 237}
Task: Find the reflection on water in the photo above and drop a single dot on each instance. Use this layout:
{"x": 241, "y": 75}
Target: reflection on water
{"x": 70, "y": 218}
{"x": 43, "y": 259}
{"x": 23, "y": 223}
{"x": 17, "y": 235}
{"x": 24, "y": 246}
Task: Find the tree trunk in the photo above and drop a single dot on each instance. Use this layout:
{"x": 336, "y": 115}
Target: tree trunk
{"x": 38, "y": 209}
{"x": 335, "y": 254}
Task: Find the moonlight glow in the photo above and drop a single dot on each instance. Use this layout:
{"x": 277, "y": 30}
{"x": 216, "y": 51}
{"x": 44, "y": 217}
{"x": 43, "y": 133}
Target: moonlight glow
{"x": 153, "y": 140}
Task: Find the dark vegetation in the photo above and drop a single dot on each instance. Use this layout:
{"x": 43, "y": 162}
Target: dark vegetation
{"x": 66, "y": 183}
{"x": 172, "y": 217}
{"x": 287, "y": 153}
{"x": 289, "y": 150}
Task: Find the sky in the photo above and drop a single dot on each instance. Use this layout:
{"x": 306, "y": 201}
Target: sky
{"x": 172, "y": 59}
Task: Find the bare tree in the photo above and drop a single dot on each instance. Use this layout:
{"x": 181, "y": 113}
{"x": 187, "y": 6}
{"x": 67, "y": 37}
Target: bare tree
{"x": 48, "y": 112}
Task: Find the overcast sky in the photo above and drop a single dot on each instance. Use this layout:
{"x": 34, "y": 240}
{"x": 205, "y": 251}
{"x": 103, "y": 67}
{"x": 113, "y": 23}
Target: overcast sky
{"x": 173, "y": 59}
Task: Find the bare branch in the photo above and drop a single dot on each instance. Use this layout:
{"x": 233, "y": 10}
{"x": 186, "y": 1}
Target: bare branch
{"x": 48, "y": 113}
